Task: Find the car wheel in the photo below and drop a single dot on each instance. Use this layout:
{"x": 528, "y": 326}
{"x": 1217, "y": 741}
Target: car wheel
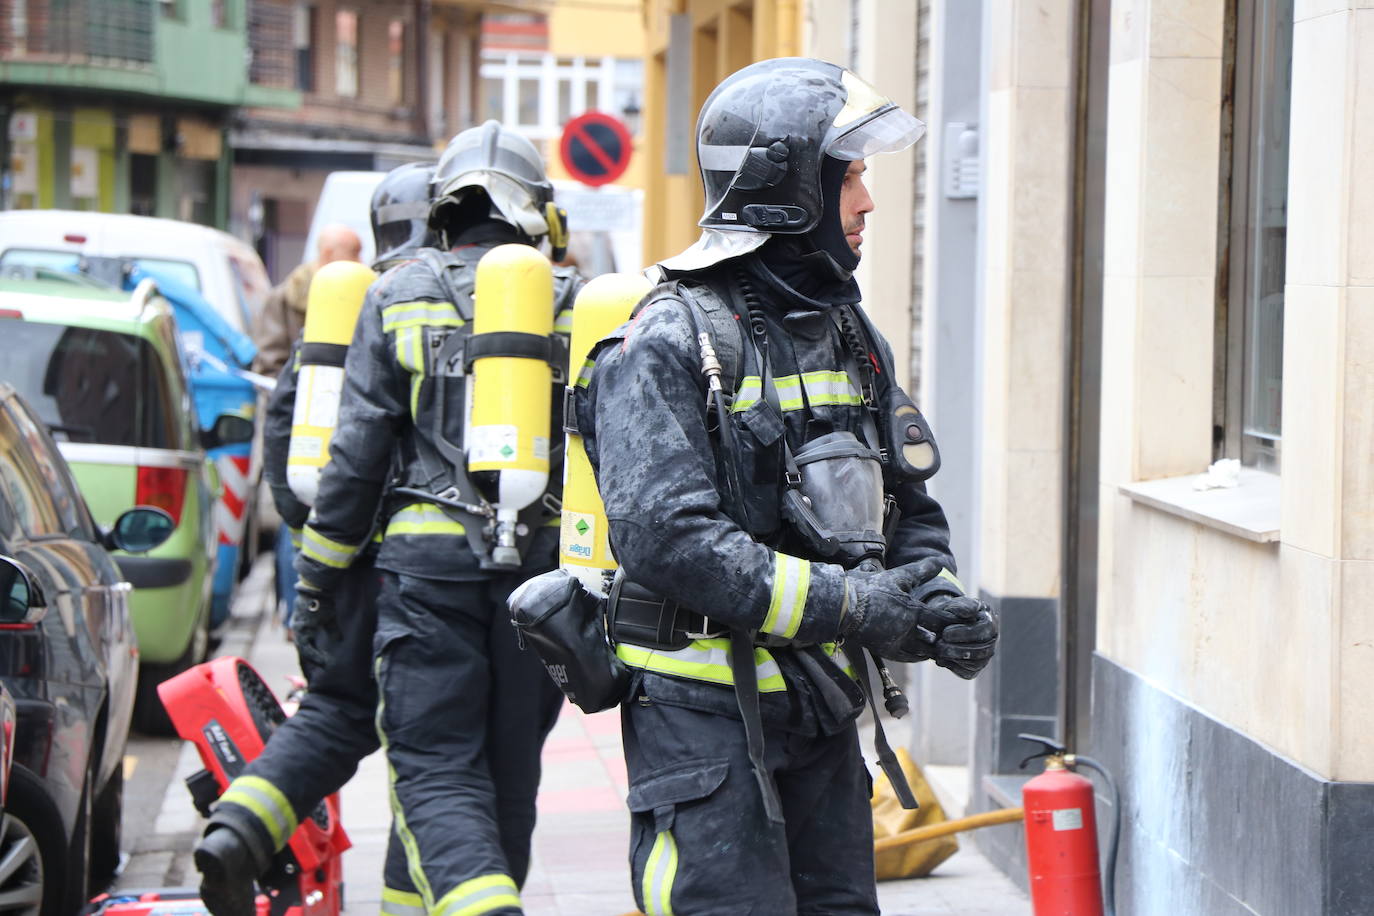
{"x": 32, "y": 850}
{"x": 107, "y": 818}
{"x": 149, "y": 716}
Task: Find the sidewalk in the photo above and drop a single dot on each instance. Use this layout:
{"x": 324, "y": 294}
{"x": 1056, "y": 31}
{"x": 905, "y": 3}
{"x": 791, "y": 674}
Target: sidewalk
{"x": 580, "y": 864}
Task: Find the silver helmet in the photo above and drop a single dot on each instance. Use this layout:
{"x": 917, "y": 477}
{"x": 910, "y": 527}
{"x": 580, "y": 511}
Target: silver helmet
{"x": 501, "y": 164}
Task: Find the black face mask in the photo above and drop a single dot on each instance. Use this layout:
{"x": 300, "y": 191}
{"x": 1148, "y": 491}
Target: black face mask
{"x": 828, "y": 236}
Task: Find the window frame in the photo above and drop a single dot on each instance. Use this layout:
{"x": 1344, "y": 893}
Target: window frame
{"x": 1255, "y": 30}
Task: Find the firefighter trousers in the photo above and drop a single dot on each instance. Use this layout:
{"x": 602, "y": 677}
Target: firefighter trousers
{"x": 463, "y": 717}
{"x": 700, "y": 842}
{"x": 314, "y": 752}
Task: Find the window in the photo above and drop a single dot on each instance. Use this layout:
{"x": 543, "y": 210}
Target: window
{"x": 346, "y": 53}
{"x": 219, "y": 14}
{"x": 93, "y": 386}
{"x": 539, "y": 93}
{"x": 69, "y": 262}
{"x": 62, "y": 488}
{"x": 302, "y": 28}
{"x": 395, "y": 61}
{"x": 1249, "y": 424}
{"x": 24, "y": 484}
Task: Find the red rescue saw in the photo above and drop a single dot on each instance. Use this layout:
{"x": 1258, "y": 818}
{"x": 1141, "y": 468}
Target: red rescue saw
{"x": 225, "y": 709}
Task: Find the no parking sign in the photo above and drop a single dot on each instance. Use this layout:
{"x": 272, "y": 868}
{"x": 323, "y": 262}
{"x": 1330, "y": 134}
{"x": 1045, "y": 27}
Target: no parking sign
{"x": 595, "y": 148}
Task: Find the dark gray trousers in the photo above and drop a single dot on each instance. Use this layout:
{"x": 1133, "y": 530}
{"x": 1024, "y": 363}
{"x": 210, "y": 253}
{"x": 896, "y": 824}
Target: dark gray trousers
{"x": 700, "y": 843}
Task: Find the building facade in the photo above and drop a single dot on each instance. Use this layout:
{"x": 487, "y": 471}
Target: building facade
{"x": 124, "y": 105}
{"x": 1135, "y": 273}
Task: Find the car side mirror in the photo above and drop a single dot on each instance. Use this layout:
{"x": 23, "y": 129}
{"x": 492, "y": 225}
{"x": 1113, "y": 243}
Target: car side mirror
{"x": 140, "y": 529}
{"x": 228, "y": 429}
{"x": 21, "y": 599}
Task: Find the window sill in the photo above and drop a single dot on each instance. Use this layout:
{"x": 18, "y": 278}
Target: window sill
{"x": 1250, "y": 510}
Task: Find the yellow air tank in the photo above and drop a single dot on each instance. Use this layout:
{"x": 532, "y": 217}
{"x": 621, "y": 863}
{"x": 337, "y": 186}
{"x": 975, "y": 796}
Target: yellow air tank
{"x": 584, "y": 548}
{"x": 510, "y": 396}
{"x": 331, "y": 312}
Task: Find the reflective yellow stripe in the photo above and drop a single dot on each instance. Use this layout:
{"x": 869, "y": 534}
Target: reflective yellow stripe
{"x": 267, "y": 804}
{"x": 791, "y": 583}
{"x": 659, "y": 872}
{"x": 825, "y": 388}
{"x": 321, "y": 549}
{"x": 750, "y": 389}
{"x": 415, "y": 314}
{"x": 422, "y": 518}
{"x": 830, "y": 648}
{"x": 478, "y": 895}
{"x": 295, "y": 537}
{"x": 398, "y": 816}
{"x": 563, "y": 322}
{"x": 703, "y": 660}
{"x": 402, "y": 903}
{"x": 946, "y": 574}
{"x": 584, "y": 376}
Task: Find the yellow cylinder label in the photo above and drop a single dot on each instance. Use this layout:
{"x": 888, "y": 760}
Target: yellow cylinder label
{"x": 511, "y": 396}
{"x": 602, "y": 305}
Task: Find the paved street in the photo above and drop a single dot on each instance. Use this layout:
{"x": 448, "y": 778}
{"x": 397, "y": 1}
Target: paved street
{"x": 579, "y": 866}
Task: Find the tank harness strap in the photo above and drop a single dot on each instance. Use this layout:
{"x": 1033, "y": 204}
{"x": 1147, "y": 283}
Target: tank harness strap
{"x": 551, "y": 349}
{"x": 886, "y": 759}
{"x": 322, "y": 354}
{"x": 747, "y": 696}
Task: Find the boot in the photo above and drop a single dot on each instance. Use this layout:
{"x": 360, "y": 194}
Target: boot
{"x": 228, "y": 864}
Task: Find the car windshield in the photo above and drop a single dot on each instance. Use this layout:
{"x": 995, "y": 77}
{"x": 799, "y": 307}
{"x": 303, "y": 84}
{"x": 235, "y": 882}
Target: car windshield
{"x": 91, "y": 385}
{"x": 69, "y": 262}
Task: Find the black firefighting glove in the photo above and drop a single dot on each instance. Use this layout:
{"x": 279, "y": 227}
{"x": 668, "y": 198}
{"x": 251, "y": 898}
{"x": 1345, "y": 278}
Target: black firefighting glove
{"x": 966, "y": 648}
{"x": 315, "y": 627}
{"x": 901, "y": 613}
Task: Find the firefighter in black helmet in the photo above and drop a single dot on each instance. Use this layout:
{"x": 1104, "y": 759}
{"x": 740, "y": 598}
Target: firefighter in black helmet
{"x": 767, "y": 543}
{"x": 463, "y": 713}
{"x": 318, "y": 749}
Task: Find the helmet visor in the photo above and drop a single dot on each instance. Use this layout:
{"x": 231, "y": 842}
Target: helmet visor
{"x": 870, "y": 123}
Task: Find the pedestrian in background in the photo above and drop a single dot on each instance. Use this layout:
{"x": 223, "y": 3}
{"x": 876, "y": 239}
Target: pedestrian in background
{"x": 275, "y": 331}
{"x": 463, "y": 713}
{"x": 283, "y": 314}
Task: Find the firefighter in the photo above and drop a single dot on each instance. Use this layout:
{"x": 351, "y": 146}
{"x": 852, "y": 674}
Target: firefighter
{"x": 752, "y": 528}
{"x": 462, "y": 712}
{"x": 318, "y": 749}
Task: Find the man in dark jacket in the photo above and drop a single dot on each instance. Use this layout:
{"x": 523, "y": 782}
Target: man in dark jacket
{"x": 318, "y": 749}
{"x": 463, "y": 713}
{"x": 761, "y": 525}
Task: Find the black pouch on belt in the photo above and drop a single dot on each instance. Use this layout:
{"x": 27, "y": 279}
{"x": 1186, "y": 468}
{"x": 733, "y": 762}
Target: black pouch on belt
{"x": 641, "y": 617}
{"x": 565, "y": 625}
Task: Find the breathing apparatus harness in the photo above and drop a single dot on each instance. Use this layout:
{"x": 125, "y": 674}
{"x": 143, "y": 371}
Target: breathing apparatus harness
{"x": 447, "y": 482}
{"x": 665, "y": 624}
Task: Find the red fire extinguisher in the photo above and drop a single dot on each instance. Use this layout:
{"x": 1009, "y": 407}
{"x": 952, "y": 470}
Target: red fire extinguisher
{"x": 1061, "y": 835}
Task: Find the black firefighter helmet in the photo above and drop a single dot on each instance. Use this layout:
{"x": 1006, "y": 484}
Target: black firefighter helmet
{"x": 766, "y": 132}
{"x": 400, "y": 212}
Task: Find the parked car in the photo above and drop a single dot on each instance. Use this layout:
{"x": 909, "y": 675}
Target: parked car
{"x": 69, "y": 658}
{"x": 216, "y": 285}
{"x": 103, "y": 370}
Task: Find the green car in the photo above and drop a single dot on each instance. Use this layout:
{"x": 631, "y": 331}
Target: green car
{"x": 103, "y": 370}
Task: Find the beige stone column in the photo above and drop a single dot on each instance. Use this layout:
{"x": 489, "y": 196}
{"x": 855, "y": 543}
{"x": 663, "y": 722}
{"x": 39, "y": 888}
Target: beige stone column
{"x": 1328, "y": 393}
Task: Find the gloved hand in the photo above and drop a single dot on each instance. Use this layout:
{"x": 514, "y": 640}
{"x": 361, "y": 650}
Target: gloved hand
{"x": 900, "y": 613}
{"x": 315, "y": 627}
{"x": 966, "y": 648}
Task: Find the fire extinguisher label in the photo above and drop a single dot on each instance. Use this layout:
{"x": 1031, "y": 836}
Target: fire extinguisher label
{"x": 1068, "y": 819}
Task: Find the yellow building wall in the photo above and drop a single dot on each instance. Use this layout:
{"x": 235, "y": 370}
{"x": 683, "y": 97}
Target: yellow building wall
{"x": 609, "y": 28}
{"x": 726, "y": 35}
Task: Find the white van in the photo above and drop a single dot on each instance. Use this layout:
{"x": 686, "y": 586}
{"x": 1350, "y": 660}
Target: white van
{"x": 226, "y": 271}
{"x": 345, "y": 198}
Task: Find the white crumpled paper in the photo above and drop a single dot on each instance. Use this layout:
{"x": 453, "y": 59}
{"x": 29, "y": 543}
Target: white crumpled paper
{"x": 1221, "y": 475}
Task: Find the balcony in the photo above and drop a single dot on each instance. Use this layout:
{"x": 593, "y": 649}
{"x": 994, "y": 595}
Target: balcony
{"x": 118, "y": 33}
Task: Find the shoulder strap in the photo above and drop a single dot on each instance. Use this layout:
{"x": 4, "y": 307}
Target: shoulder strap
{"x": 726, "y": 333}
{"x": 453, "y": 275}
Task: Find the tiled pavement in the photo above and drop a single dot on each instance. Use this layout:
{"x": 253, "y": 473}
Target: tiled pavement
{"x": 579, "y": 866}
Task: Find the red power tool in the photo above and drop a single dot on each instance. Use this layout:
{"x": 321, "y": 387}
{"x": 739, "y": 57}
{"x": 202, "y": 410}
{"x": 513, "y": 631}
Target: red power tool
{"x": 225, "y": 710}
